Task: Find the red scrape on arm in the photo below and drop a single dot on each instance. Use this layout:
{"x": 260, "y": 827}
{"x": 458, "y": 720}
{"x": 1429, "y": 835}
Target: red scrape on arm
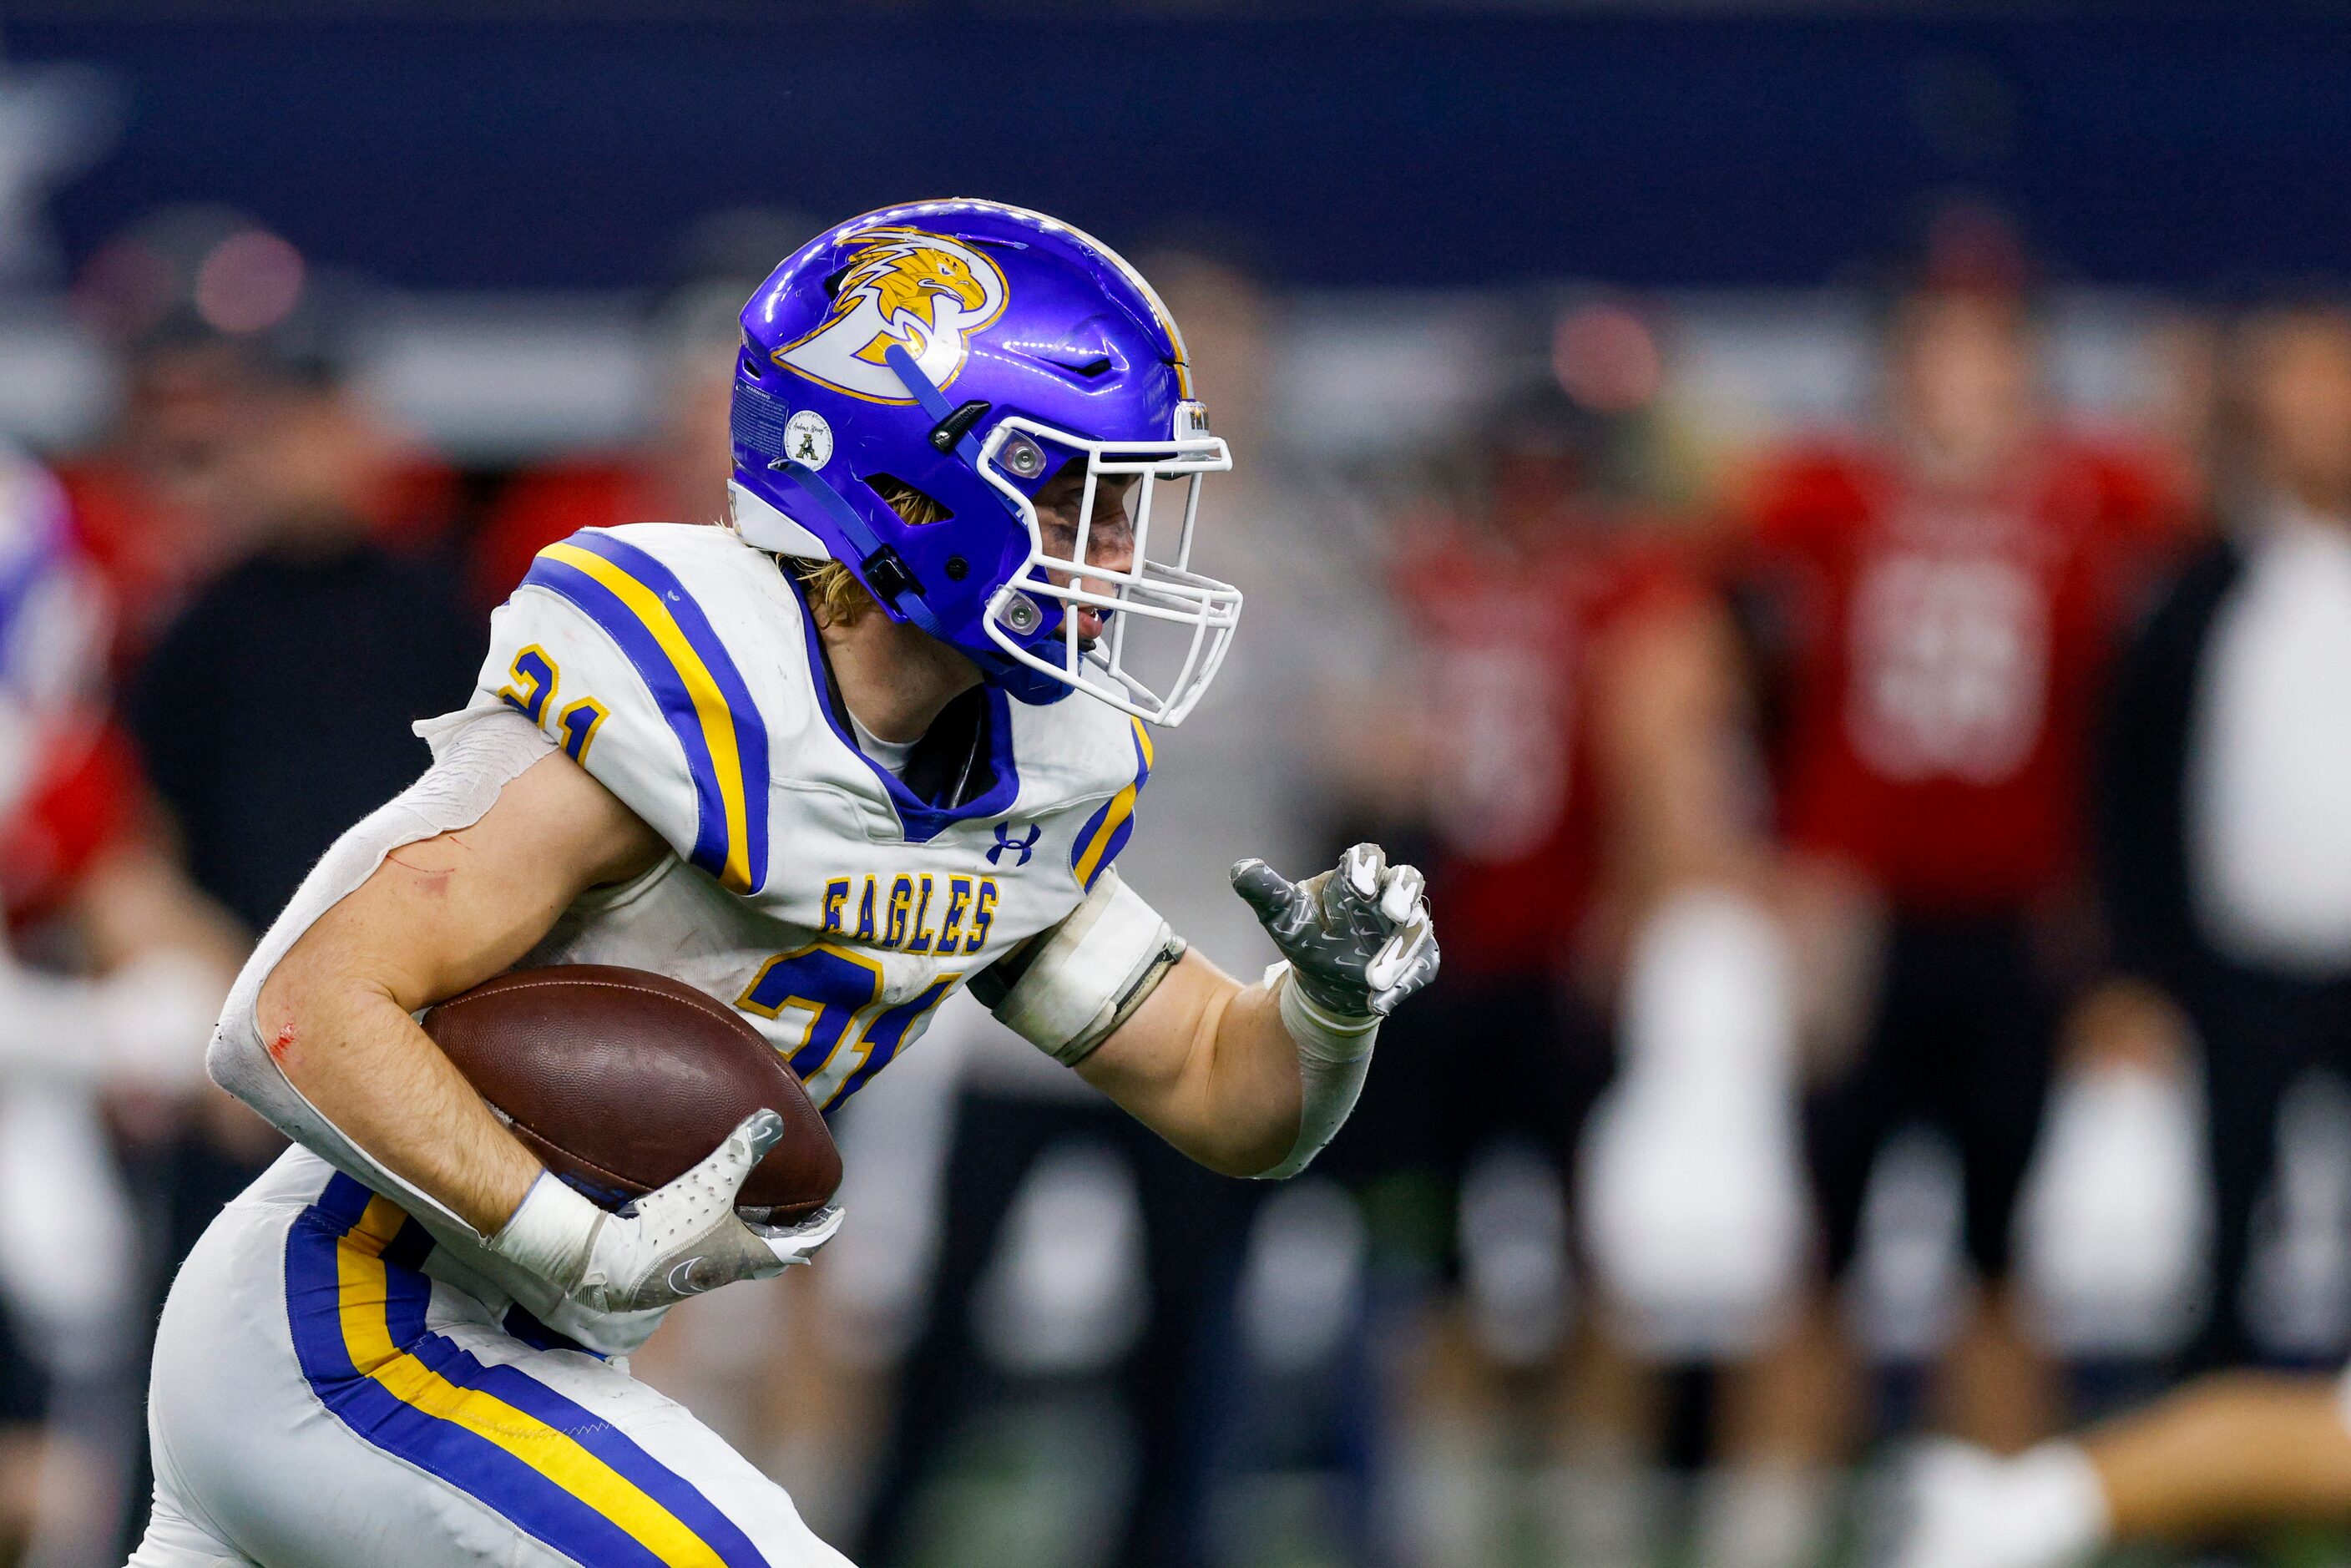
{"x": 433, "y": 879}
{"x": 282, "y": 1044}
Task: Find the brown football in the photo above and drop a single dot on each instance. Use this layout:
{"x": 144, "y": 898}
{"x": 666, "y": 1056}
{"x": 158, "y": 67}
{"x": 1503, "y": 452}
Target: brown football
{"x": 620, "y": 1081}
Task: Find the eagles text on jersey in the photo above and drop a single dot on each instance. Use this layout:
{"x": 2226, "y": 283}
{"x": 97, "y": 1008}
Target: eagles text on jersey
{"x": 833, "y": 903}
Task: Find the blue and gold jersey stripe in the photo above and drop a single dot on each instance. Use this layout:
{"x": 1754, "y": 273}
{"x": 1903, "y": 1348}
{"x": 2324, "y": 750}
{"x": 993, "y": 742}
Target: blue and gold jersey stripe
{"x": 356, "y": 1302}
{"x": 643, "y": 606}
{"x": 1107, "y": 830}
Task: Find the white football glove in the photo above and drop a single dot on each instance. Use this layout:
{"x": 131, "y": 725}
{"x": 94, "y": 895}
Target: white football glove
{"x": 1965, "y": 1507}
{"x": 676, "y": 1241}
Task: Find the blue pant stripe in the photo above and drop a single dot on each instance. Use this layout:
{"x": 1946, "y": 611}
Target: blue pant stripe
{"x": 466, "y": 1461}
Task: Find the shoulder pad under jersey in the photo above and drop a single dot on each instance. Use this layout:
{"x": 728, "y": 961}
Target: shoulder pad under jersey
{"x": 629, "y": 646}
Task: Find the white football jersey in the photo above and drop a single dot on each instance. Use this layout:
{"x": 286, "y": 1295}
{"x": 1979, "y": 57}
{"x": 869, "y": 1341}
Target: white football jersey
{"x": 811, "y": 889}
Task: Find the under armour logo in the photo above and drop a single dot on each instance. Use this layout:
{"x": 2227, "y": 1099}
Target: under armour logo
{"x": 1022, "y": 847}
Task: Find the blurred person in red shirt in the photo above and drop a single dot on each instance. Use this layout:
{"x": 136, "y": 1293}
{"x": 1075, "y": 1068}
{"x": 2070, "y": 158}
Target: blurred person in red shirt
{"x": 1935, "y": 607}
{"x": 1511, "y": 608}
{"x": 210, "y": 315}
{"x": 1584, "y": 781}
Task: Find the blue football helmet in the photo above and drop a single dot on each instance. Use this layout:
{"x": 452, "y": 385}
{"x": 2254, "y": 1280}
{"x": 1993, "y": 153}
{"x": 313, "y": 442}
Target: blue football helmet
{"x": 971, "y": 351}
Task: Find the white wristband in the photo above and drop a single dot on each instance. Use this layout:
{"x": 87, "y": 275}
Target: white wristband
{"x": 1335, "y": 1054}
{"x": 550, "y": 1232}
{"x": 2057, "y": 1500}
{"x": 1326, "y": 1036}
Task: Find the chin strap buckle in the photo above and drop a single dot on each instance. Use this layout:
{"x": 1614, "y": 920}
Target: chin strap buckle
{"x": 887, "y": 573}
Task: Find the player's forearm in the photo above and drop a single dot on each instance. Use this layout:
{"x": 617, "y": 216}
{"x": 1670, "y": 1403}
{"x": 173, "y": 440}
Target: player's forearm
{"x": 1209, "y": 1066}
{"x": 355, "y": 1054}
{"x": 2234, "y": 1450}
{"x": 433, "y": 918}
{"x": 1248, "y": 1072}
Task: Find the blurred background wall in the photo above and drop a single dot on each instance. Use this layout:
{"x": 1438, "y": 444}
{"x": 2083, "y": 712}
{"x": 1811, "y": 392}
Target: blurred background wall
{"x": 451, "y": 152}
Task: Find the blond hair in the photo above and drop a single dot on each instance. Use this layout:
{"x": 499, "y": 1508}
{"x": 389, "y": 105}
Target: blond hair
{"x": 833, "y": 592}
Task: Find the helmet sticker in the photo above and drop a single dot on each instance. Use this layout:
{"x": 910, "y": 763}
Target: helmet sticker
{"x": 808, "y": 438}
{"x": 921, "y": 290}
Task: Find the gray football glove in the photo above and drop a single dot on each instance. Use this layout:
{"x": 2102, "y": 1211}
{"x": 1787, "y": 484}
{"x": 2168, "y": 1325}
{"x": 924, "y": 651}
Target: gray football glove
{"x": 1358, "y": 938}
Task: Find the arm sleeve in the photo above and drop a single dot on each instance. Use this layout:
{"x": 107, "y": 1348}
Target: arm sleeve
{"x": 475, "y": 756}
{"x": 1069, "y": 988}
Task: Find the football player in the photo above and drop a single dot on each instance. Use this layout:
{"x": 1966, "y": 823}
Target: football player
{"x": 1612, "y": 954}
{"x": 823, "y": 763}
{"x": 2220, "y": 734}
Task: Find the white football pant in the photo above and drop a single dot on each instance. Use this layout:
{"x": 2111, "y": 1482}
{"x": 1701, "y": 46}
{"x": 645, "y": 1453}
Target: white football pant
{"x": 320, "y": 1400}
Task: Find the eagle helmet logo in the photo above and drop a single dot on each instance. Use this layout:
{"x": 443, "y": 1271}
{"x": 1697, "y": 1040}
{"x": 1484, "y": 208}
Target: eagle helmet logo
{"x": 921, "y": 290}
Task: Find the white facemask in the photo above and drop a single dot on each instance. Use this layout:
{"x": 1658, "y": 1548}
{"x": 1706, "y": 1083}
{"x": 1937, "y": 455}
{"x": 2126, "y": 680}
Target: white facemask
{"x": 1166, "y": 627}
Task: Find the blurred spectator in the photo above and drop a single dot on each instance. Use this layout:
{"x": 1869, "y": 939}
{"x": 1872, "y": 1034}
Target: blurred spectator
{"x": 1575, "y": 757}
{"x": 2226, "y": 872}
{"x": 1935, "y": 607}
{"x": 272, "y": 709}
{"x": 111, "y": 968}
{"x": 212, "y": 316}
{"x": 1512, "y": 584}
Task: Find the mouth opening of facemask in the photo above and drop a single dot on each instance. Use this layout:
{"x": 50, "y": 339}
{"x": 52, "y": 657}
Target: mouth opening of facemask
{"x": 1164, "y": 628}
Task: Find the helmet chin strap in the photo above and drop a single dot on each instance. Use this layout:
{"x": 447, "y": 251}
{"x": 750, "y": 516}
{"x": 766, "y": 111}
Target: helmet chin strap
{"x": 1030, "y": 685}
{"x": 885, "y": 571}
{"x": 933, "y": 401}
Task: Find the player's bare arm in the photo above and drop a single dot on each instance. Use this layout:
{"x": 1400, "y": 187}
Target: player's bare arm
{"x": 435, "y": 918}
{"x": 1253, "y": 1081}
{"x": 1207, "y": 1065}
